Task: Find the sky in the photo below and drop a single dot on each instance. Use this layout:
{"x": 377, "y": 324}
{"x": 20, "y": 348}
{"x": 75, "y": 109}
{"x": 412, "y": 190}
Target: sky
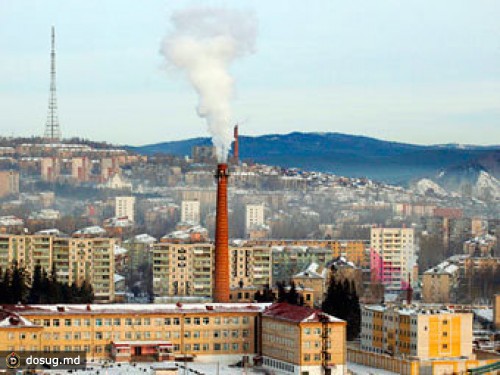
{"x": 416, "y": 71}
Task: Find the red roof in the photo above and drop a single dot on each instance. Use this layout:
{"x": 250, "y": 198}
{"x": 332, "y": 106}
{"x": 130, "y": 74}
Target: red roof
{"x": 294, "y": 313}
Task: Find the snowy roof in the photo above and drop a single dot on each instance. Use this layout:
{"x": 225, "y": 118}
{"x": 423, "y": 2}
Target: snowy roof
{"x": 298, "y": 314}
{"x": 486, "y": 314}
{"x": 91, "y": 230}
{"x": 151, "y": 308}
{"x": 120, "y": 250}
{"x": 117, "y": 278}
{"x": 144, "y": 238}
{"x": 11, "y": 221}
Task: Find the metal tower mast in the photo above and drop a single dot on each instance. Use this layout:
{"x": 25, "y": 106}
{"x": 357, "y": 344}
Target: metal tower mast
{"x": 52, "y": 129}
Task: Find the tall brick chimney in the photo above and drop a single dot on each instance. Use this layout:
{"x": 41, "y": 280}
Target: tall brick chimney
{"x": 236, "y": 155}
{"x": 221, "y": 276}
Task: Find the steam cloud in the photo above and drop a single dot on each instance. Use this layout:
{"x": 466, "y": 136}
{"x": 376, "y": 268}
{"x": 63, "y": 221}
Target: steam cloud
{"x": 204, "y": 42}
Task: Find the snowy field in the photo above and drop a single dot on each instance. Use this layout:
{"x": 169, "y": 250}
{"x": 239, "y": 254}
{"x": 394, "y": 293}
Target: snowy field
{"x": 197, "y": 368}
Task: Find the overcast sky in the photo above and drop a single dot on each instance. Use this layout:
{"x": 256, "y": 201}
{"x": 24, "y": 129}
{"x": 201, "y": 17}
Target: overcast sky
{"x": 418, "y": 71}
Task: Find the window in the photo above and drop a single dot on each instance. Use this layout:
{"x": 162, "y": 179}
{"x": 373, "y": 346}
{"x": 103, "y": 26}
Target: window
{"x": 107, "y": 322}
{"x": 67, "y": 322}
{"x": 206, "y": 320}
{"x": 217, "y": 347}
{"x": 187, "y": 320}
{"x": 76, "y": 322}
{"x": 147, "y": 321}
{"x": 55, "y": 323}
{"x": 128, "y": 321}
{"x": 177, "y": 322}
{"x": 197, "y": 321}
{"x": 116, "y": 321}
{"x": 98, "y": 322}
{"x": 167, "y": 321}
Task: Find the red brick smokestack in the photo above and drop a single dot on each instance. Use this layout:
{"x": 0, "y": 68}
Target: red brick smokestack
{"x": 409, "y": 292}
{"x": 236, "y": 156}
{"x": 221, "y": 277}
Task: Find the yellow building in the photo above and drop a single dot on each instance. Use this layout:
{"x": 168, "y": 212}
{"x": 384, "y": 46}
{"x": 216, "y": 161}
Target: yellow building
{"x": 417, "y": 332}
{"x": 295, "y": 339}
{"x": 132, "y": 332}
{"x": 75, "y": 259}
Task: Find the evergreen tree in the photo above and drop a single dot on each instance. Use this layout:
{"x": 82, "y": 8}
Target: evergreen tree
{"x": 35, "y": 294}
{"x": 292, "y": 297}
{"x": 86, "y": 293}
{"x": 7, "y": 294}
{"x": 342, "y": 302}
{"x": 258, "y": 297}
{"x": 281, "y": 292}
{"x": 18, "y": 284}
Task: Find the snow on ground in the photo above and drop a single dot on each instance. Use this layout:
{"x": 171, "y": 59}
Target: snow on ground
{"x": 356, "y": 369}
{"x": 196, "y": 368}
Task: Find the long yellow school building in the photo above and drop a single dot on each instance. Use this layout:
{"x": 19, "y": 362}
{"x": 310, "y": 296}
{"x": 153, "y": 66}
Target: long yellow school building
{"x": 289, "y": 339}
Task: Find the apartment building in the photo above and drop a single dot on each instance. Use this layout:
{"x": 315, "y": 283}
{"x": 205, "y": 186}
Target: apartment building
{"x": 423, "y": 332}
{"x": 183, "y": 269}
{"x": 250, "y": 266}
{"x": 300, "y": 340}
{"x": 187, "y": 269}
{"x": 125, "y": 332}
{"x": 355, "y": 251}
{"x": 190, "y": 212}
{"x": 254, "y": 216}
{"x": 75, "y": 259}
{"x": 9, "y": 183}
{"x": 392, "y": 257}
{"x": 125, "y": 207}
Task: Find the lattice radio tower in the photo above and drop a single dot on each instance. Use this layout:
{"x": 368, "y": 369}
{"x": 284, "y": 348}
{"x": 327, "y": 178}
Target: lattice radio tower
{"x": 52, "y": 129}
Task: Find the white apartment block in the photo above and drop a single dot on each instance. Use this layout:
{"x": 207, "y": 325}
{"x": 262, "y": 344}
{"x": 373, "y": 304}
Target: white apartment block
{"x": 190, "y": 212}
{"x": 125, "y": 206}
{"x": 254, "y": 216}
{"x": 392, "y": 256}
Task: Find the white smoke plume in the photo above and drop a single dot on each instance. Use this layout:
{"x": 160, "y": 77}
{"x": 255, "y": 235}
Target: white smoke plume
{"x": 203, "y": 43}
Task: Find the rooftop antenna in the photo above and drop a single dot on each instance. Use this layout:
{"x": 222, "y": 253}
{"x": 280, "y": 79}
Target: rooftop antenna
{"x": 52, "y": 129}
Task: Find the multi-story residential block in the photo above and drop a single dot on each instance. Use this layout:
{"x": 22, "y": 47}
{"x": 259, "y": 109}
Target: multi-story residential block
{"x": 440, "y": 283}
{"x": 300, "y": 340}
{"x": 50, "y": 169}
{"x": 125, "y": 207}
{"x": 140, "y": 250}
{"x": 250, "y": 266}
{"x": 254, "y": 216}
{"x": 183, "y": 269}
{"x": 421, "y": 332}
{"x": 187, "y": 269}
{"x": 392, "y": 257}
{"x": 190, "y": 212}
{"x": 9, "y": 183}
{"x": 81, "y": 169}
{"x": 133, "y": 332}
{"x": 355, "y": 251}
{"x": 290, "y": 260}
{"x": 75, "y": 259}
